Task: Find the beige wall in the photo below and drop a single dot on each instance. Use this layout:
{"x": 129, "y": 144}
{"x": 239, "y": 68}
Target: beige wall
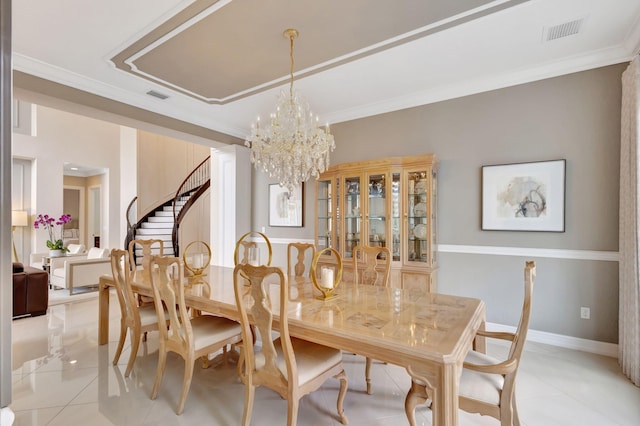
{"x": 163, "y": 164}
{"x": 196, "y": 225}
{"x": 64, "y": 137}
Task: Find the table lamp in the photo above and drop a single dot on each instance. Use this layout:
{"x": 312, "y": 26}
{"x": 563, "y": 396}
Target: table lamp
{"x": 18, "y": 218}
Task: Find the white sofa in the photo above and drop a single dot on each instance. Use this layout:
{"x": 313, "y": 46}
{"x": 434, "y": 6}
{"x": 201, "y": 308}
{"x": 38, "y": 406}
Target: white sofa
{"x": 70, "y": 236}
{"x": 80, "y": 270}
{"x": 36, "y": 259}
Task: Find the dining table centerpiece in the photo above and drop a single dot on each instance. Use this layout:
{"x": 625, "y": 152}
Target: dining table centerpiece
{"x": 54, "y": 244}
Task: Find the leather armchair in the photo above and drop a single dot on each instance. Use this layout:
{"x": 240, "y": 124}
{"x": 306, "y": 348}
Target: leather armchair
{"x": 81, "y": 270}
{"x": 30, "y": 291}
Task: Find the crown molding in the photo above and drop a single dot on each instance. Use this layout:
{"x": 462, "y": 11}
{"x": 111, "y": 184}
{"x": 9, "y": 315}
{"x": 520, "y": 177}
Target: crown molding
{"x": 578, "y": 63}
{"x": 65, "y": 77}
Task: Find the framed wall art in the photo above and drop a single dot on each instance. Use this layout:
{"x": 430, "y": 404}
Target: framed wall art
{"x": 524, "y": 196}
{"x": 285, "y": 208}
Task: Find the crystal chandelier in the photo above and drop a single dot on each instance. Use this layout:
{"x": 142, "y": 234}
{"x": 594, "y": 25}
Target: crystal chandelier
{"x": 292, "y": 147}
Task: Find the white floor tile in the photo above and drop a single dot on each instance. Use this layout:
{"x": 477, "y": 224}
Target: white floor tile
{"x": 61, "y": 376}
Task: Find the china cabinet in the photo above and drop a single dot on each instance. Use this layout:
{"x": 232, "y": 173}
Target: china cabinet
{"x": 389, "y": 202}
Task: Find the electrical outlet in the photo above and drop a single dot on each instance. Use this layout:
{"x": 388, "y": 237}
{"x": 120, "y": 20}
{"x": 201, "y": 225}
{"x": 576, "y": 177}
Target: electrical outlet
{"x": 585, "y": 313}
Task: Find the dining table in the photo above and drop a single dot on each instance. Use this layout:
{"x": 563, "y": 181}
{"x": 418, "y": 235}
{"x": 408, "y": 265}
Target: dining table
{"x": 429, "y": 334}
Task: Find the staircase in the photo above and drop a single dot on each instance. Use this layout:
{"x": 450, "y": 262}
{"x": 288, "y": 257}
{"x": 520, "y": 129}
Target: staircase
{"x": 159, "y": 226}
{"x": 163, "y": 223}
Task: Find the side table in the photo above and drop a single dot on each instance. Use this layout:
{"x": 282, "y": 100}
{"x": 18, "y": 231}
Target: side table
{"x": 46, "y": 266}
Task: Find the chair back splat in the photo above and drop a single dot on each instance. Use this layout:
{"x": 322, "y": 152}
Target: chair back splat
{"x": 151, "y": 247}
{"x": 299, "y": 268}
{"x": 371, "y": 265}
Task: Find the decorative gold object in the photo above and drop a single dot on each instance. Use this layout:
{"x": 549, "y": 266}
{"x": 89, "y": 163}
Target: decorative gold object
{"x": 197, "y": 257}
{"x": 292, "y": 147}
{"x": 328, "y": 280}
{"x": 247, "y": 245}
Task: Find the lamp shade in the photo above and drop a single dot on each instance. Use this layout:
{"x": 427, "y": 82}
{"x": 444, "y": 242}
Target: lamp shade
{"x": 19, "y": 218}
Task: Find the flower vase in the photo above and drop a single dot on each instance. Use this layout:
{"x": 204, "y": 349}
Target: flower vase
{"x": 56, "y": 253}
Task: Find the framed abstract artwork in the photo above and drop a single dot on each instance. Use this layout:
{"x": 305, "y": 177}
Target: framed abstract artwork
{"x": 286, "y": 208}
{"x": 524, "y": 196}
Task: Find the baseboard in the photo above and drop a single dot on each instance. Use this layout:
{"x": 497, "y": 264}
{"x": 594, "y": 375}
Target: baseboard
{"x": 568, "y": 342}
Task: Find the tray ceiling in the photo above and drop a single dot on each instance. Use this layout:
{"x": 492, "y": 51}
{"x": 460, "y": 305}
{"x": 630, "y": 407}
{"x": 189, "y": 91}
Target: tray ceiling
{"x": 221, "y": 63}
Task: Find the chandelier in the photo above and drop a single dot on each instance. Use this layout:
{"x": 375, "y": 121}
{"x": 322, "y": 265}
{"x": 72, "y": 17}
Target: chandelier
{"x": 292, "y": 147}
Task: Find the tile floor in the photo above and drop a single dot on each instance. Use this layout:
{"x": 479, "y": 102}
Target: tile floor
{"x": 62, "y": 377}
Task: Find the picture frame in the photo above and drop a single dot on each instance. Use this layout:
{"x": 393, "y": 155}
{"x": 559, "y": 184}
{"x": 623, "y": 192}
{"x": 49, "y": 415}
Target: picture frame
{"x": 524, "y": 196}
{"x": 286, "y": 209}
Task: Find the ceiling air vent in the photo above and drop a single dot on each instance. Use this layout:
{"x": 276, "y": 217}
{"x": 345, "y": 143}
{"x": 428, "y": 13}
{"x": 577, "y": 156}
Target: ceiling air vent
{"x": 157, "y": 94}
{"x": 563, "y": 30}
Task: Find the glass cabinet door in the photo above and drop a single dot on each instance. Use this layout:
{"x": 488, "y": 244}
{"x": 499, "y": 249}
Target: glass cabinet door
{"x": 352, "y": 214}
{"x": 418, "y": 188}
{"x": 376, "y": 223}
{"x": 324, "y": 216}
{"x": 395, "y": 217}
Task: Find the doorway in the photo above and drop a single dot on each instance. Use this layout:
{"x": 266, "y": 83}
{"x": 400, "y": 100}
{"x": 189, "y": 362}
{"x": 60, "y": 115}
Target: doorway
{"x": 95, "y": 214}
{"x": 73, "y": 205}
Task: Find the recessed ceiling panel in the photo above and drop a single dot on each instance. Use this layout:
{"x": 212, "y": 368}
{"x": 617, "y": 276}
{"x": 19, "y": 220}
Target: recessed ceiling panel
{"x": 221, "y": 51}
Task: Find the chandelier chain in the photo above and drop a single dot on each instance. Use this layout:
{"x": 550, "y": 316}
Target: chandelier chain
{"x": 291, "y": 37}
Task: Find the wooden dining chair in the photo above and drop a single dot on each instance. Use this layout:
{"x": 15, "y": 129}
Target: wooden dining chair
{"x": 292, "y": 367}
{"x": 247, "y": 241}
{"x": 487, "y": 384}
{"x": 191, "y": 338}
{"x": 371, "y": 266}
{"x": 151, "y": 247}
{"x": 133, "y": 318}
{"x": 297, "y": 252}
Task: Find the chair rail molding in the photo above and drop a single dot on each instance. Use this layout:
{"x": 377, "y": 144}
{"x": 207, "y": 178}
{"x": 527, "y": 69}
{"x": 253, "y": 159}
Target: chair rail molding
{"x": 606, "y": 256}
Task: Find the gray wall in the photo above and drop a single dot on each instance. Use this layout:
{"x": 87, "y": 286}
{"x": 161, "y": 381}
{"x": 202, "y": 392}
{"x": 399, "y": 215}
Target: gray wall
{"x": 574, "y": 117}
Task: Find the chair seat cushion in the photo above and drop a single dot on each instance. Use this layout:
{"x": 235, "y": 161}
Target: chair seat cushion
{"x": 148, "y": 315}
{"x": 311, "y": 359}
{"x": 209, "y": 330}
{"x": 58, "y": 272}
{"x": 481, "y": 386}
